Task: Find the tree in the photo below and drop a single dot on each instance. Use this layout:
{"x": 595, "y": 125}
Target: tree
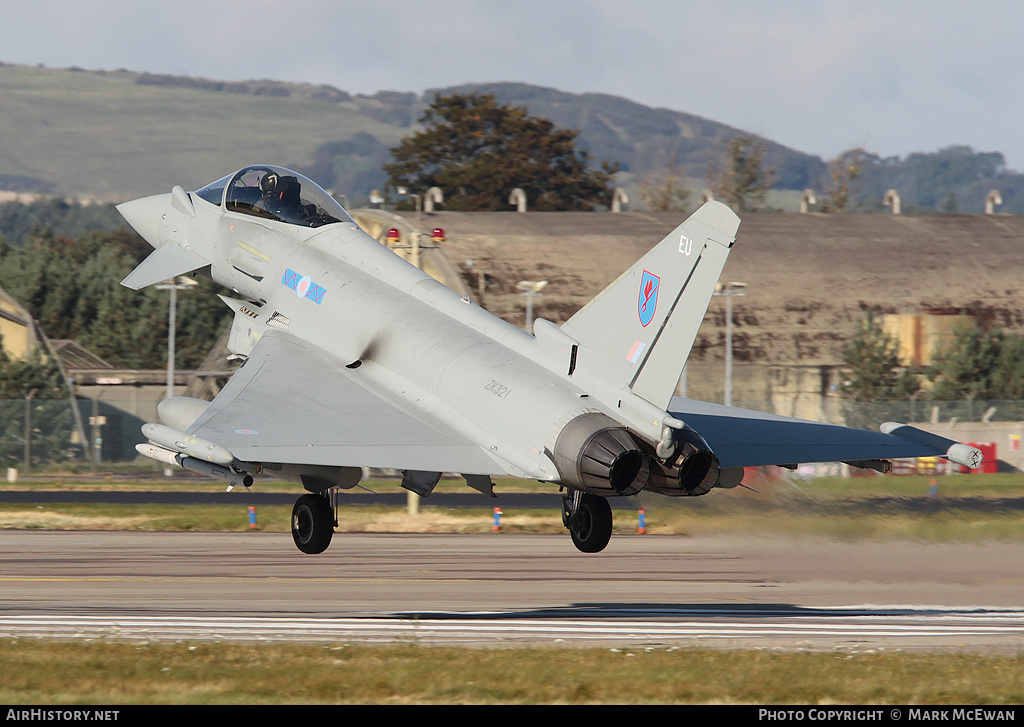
{"x": 19, "y": 377}
{"x": 843, "y": 170}
{"x": 952, "y": 179}
{"x": 741, "y": 179}
{"x": 664, "y": 191}
{"x": 346, "y": 167}
{"x": 1008, "y": 376}
{"x": 478, "y": 150}
{"x": 966, "y": 367}
{"x": 876, "y": 378}
{"x": 71, "y": 287}
{"x": 978, "y": 367}
{"x": 875, "y": 370}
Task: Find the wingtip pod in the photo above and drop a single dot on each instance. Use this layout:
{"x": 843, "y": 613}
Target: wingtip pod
{"x": 962, "y": 454}
{"x": 966, "y": 455}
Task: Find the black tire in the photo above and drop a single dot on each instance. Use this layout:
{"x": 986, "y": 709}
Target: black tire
{"x": 312, "y": 524}
{"x": 591, "y": 526}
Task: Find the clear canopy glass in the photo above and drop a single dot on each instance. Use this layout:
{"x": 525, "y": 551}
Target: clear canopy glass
{"x": 275, "y": 193}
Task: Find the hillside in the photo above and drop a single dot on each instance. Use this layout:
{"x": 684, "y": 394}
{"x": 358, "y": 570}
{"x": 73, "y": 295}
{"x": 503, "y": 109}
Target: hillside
{"x": 112, "y": 135}
{"x": 119, "y": 134}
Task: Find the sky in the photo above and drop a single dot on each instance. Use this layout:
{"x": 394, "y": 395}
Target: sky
{"x": 820, "y": 76}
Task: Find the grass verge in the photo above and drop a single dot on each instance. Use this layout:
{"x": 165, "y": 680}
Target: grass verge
{"x": 53, "y": 673}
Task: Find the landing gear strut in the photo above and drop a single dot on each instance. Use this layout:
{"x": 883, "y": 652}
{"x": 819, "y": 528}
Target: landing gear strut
{"x": 589, "y": 520}
{"x": 313, "y": 523}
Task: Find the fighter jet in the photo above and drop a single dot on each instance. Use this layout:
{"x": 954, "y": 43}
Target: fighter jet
{"x": 355, "y": 358}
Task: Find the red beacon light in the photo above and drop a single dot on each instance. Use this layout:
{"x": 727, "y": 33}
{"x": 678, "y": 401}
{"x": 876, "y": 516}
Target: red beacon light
{"x": 394, "y": 235}
{"x": 437, "y": 235}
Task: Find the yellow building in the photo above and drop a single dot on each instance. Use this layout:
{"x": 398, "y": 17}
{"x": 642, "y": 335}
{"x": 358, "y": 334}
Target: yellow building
{"x": 19, "y": 339}
{"x": 920, "y": 335}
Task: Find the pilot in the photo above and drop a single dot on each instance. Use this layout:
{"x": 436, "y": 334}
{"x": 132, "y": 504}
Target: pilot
{"x": 281, "y": 197}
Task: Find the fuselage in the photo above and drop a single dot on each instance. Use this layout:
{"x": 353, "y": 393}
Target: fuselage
{"x": 396, "y": 328}
{"x": 301, "y": 265}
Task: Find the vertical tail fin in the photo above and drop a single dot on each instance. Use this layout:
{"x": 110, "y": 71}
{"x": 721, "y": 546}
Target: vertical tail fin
{"x": 638, "y": 332}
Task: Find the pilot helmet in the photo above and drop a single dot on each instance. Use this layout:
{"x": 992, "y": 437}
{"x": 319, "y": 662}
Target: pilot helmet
{"x": 269, "y": 182}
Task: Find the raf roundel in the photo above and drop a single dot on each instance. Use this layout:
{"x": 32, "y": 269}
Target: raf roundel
{"x": 303, "y": 286}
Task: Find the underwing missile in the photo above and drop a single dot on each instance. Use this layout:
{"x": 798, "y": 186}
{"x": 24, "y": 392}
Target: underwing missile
{"x": 207, "y": 469}
{"x": 178, "y": 441}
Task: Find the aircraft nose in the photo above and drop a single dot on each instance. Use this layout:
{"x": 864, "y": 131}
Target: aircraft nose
{"x": 145, "y": 215}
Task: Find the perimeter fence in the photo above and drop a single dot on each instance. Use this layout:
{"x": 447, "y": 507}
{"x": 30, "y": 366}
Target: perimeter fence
{"x": 39, "y": 433}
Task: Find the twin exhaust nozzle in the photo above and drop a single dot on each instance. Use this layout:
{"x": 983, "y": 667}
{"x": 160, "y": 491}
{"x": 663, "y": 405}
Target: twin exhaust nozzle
{"x": 597, "y": 455}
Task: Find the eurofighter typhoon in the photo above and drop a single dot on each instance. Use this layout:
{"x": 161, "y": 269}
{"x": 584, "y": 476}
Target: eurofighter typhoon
{"x": 355, "y": 358}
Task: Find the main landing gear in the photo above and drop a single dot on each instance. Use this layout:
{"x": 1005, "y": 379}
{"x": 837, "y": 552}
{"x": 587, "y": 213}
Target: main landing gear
{"x": 589, "y": 520}
{"x": 313, "y": 523}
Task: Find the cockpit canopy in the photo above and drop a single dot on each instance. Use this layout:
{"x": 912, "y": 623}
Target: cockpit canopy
{"x": 275, "y": 193}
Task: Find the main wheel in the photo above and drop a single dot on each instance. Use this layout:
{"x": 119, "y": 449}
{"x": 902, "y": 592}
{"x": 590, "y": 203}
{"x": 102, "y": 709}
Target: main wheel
{"x": 591, "y": 525}
{"x": 312, "y": 523}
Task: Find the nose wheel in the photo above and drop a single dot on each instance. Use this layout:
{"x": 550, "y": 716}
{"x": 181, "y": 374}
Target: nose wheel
{"x": 589, "y": 520}
{"x": 312, "y": 523}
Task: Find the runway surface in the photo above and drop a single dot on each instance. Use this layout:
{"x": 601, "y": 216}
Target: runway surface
{"x": 504, "y": 589}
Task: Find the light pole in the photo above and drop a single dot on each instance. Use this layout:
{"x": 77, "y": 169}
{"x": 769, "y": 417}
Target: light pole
{"x": 530, "y": 289}
{"x": 28, "y": 428}
{"x": 173, "y": 285}
{"x": 729, "y": 290}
